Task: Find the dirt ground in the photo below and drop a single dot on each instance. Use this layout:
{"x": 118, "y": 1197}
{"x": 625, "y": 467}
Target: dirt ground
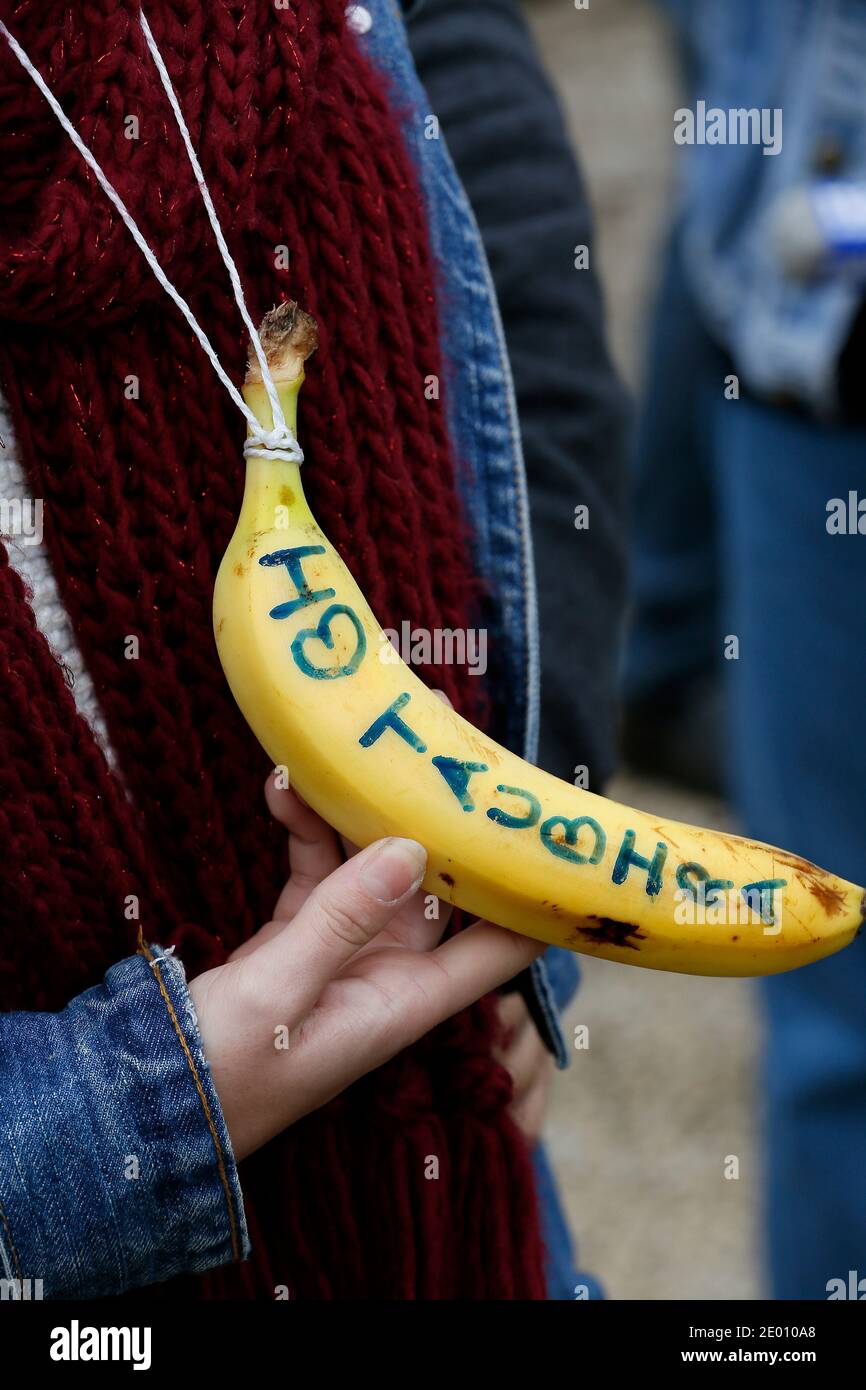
{"x": 644, "y": 1120}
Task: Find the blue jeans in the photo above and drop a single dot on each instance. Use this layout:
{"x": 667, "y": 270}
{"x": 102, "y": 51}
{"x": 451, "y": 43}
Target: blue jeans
{"x": 674, "y": 565}
{"x": 564, "y": 1281}
{"x": 796, "y": 597}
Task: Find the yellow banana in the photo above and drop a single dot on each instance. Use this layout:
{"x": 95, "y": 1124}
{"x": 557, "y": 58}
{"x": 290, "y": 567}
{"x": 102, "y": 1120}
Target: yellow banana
{"x": 376, "y": 753}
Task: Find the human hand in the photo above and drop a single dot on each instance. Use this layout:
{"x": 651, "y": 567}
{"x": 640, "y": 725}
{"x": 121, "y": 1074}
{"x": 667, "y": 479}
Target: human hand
{"x": 522, "y": 1052}
{"x": 348, "y": 973}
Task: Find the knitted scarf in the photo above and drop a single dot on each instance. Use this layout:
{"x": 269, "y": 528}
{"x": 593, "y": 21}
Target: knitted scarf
{"x": 134, "y": 447}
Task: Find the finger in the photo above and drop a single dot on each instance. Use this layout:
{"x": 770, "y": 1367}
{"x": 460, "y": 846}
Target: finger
{"x": 258, "y": 939}
{"x": 414, "y": 993}
{"x": 423, "y": 922}
{"x": 348, "y": 848}
{"x": 524, "y": 1059}
{"x": 314, "y": 850}
{"x": 513, "y": 1016}
{"x": 529, "y": 1112}
{"x": 341, "y": 916}
{"x": 419, "y": 925}
{"x": 468, "y": 966}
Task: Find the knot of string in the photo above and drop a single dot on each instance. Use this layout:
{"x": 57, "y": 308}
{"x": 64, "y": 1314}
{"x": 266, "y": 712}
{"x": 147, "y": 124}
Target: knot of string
{"x": 277, "y": 442}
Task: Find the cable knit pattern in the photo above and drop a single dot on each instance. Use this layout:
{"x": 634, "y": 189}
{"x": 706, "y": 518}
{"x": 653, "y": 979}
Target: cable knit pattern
{"x": 141, "y": 489}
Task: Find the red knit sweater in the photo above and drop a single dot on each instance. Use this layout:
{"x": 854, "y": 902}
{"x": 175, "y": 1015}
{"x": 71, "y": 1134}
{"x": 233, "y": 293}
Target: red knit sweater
{"x": 300, "y": 149}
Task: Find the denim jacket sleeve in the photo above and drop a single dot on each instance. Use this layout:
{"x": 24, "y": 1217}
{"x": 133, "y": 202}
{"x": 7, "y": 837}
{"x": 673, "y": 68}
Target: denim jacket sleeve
{"x": 116, "y": 1168}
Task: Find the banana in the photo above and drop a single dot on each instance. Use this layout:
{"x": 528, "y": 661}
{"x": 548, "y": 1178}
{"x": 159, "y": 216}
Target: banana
{"x": 376, "y": 753}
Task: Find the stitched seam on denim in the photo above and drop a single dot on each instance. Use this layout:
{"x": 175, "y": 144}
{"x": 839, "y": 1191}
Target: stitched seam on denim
{"x": 544, "y": 994}
{"x": 145, "y": 951}
{"x": 6, "y": 1227}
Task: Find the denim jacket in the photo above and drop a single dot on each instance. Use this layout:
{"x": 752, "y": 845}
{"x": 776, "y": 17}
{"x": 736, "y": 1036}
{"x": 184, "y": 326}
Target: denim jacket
{"x": 116, "y": 1168}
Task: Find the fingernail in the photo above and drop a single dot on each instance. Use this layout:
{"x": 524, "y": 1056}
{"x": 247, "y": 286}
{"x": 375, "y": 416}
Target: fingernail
{"x": 395, "y": 867}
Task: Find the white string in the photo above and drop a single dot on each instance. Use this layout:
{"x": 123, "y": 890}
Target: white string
{"x": 281, "y": 432}
{"x": 278, "y": 442}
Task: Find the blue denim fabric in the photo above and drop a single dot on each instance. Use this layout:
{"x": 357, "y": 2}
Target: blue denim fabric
{"x": 794, "y": 593}
{"x": 116, "y": 1168}
{"x": 564, "y": 1282}
{"x": 807, "y": 59}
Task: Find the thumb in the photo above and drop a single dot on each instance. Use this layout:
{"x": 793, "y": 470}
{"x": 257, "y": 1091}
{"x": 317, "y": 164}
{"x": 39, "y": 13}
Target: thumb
{"x": 343, "y": 914}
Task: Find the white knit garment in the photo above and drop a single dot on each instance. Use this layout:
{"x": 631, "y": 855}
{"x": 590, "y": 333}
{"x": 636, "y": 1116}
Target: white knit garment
{"x": 31, "y": 560}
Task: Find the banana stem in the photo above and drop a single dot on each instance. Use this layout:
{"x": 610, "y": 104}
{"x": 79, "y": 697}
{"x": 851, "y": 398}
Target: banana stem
{"x": 288, "y": 336}
{"x": 273, "y": 490}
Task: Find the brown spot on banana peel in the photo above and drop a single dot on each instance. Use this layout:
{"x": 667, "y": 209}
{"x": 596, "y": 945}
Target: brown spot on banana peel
{"x": 446, "y": 878}
{"x": 813, "y": 878}
{"x": 832, "y": 900}
{"x": 610, "y": 932}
